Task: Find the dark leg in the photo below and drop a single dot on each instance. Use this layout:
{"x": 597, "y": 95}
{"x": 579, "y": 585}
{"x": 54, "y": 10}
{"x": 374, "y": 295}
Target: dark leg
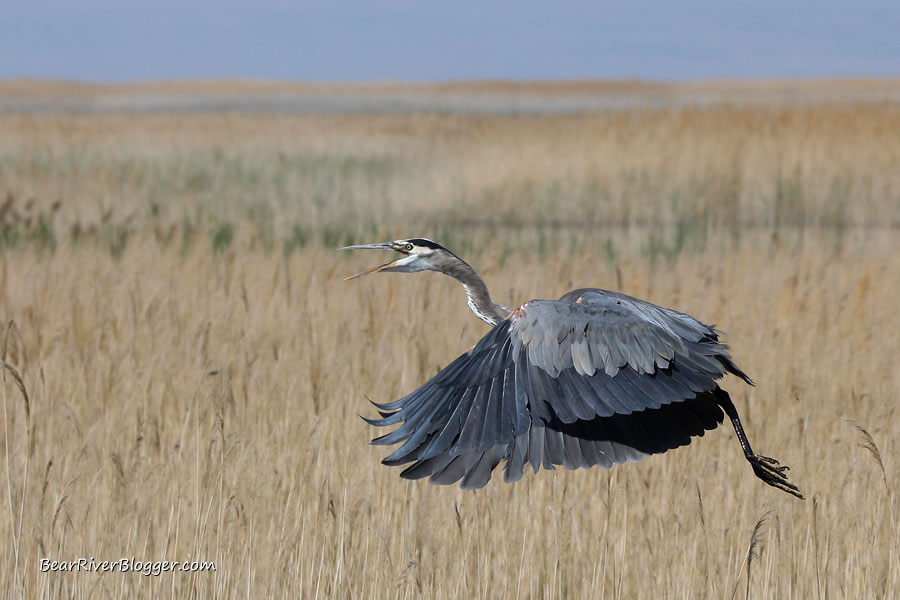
{"x": 767, "y": 469}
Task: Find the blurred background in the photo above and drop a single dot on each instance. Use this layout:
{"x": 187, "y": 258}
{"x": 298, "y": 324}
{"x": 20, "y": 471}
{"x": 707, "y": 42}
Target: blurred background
{"x": 184, "y": 366}
{"x": 400, "y": 40}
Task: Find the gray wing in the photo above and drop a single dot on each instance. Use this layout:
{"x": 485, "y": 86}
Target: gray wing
{"x": 595, "y": 378}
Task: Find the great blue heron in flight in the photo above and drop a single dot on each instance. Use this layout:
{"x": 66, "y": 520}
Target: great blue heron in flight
{"x": 594, "y": 378}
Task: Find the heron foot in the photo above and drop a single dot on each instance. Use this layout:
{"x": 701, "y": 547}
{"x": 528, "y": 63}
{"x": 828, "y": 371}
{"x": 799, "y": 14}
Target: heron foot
{"x": 773, "y": 473}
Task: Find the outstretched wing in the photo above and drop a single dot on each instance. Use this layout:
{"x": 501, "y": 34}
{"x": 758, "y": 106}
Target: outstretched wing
{"x": 595, "y": 378}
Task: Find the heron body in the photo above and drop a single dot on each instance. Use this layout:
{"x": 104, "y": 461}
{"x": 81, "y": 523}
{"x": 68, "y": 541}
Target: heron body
{"x": 595, "y": 378}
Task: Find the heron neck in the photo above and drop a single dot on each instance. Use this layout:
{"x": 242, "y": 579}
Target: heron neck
{"x": 478, "y": 296}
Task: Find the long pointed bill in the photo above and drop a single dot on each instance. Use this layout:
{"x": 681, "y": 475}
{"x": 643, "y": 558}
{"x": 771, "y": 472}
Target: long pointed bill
{"x": 380, "y": 246}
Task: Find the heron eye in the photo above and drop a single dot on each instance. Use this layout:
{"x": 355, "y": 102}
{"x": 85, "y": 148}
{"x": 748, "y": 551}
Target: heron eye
{"x": 409, "y": 247}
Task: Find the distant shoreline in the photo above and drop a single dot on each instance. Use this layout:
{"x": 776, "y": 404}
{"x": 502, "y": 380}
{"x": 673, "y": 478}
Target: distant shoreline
{"x": 463, "y": 97}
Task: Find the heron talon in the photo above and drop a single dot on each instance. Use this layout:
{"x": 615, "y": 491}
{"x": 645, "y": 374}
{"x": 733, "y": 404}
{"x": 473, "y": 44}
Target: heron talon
{"x": 773, "y": 473}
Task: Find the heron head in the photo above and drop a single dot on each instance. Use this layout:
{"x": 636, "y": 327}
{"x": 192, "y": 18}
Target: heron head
{"x": 417, "y": 254}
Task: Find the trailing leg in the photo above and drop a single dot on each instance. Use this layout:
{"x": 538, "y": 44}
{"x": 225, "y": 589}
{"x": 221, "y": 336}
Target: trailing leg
{"x": 767, "y": 469}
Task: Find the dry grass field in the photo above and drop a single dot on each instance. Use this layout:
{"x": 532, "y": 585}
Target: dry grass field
{"x": 195, "y": 364}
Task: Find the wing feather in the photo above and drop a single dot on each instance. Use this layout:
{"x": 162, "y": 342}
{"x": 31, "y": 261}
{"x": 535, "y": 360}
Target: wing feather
{"x": 554, "y": 448}
{"x": 655, "y": 395}
{"x": 605, "y": 395}
{"x": 490, "y": 434}
{"x": 536, "y": 447}
{"x": 474, "y": 422}
{"x": 574, "y": 459}
{"x": 447, "y": 436}
{"x": 515, "y": 464}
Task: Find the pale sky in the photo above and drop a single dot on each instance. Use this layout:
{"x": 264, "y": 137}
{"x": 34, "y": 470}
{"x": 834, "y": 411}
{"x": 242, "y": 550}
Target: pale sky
{"x": 117, "y": 40}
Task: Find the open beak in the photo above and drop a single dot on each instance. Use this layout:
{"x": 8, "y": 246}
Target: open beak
{"x": 380, "y": 246}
